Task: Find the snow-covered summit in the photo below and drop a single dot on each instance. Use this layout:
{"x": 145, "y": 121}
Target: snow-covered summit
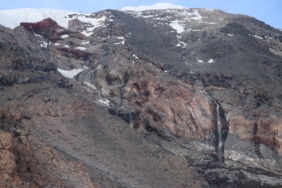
{"x": 153, "y": 7}
{"x": 13, "y": 18}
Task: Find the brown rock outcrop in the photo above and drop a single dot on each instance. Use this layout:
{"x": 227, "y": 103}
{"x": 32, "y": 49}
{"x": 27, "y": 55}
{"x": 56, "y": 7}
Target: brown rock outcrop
{"x": 164, "y": 104}
{"x": 48, "y": 28}
{"x": 8, "y": 175}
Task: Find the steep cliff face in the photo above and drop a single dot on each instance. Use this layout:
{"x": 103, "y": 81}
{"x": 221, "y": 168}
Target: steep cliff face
{"x": 201, "y": 84}
{"x": 53, "y": 133}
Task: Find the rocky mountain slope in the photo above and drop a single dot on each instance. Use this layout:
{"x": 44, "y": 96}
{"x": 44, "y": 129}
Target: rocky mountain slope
{"x": 169, "y": 97}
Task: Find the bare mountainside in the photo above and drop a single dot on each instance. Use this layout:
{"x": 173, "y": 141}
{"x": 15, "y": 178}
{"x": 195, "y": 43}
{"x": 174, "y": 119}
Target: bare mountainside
{"x": 140, "y": 98}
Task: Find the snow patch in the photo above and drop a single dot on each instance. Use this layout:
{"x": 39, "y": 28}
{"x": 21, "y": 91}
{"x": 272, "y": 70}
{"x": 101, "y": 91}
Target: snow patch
{"x": 135, "y": 56}
{"x": 153, "y": 7}
{"x": 44, "y": 44}
{"x": 192, "y": 15}
{"x": 122, "y": 42}
{"x": 209, "y": 9}
{"x": 13, "y": 18}
{"x": 104, "y": 101}
{"x": 211, "y": 23}
{"x": 176, "y": 26}
{"x": 230, "y": 35}
{"x": 80, "y": 48}
{"x": 200, "y": 61}
{"x": 85, "y": 42}
{"x": 120, "y": 38}
{"x": 181, "y": 44}
{"x": 211, "y": 61}
{"x": 148, "y": 16}
{"x": 86, "y": 33}
{"x": 257, "y": 37}
{"x": 95, "y": 22}
{"x": 70, "y": 73}
{"x": 65, "y": 36}
{"x": 37, "y": 35}
{"x": 196, "y": 15}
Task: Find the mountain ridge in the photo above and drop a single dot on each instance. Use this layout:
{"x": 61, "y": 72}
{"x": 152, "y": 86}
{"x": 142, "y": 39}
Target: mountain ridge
{"x": 156, "y": 93}
{"x": 58, "y": 14}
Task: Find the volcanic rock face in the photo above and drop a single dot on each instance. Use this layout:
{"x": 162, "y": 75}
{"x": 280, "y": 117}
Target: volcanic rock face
{"x": 161, "y": 93}
{"x": 47, "y": 27}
